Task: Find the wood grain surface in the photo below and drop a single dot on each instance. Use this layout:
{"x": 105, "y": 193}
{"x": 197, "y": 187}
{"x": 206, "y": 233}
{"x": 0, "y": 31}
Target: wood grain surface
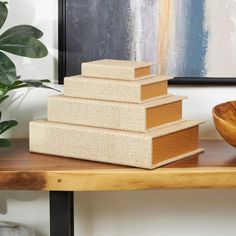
{"x": 224, "y": 116}
{"x": 21, "y": 170}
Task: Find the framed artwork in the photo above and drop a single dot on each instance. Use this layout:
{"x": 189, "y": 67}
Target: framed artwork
{"x": 193, "y": 40}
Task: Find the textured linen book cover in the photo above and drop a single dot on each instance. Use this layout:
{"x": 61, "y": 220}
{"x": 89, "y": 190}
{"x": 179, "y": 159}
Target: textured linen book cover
{"x": 115, "y": 115}
{"x": 137, "y": 91}
{"x": 117, "y": 69}
{"x": 146, "y": 150}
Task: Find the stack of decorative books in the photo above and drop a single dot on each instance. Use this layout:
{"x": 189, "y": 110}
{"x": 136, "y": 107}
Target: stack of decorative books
{"x": 116, "y": 112}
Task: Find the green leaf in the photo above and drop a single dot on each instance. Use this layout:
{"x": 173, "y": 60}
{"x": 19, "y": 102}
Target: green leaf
{"x": 15, "y": 85}
{"x": 7, "y": 70}
{"x": 2, "y": 86}
{"x": 45, "y": 80}
{"x": 47, "y": 87}
{"x": 33, "y": 83}
{"x": 26, "y": 31}
{"x": 3, "y": 13}
{"x": 6, "y": 125}
{"x": 3, "y": 98}
{"x": 4, "y": 142}
{"x": 24, "y": 46}
{"x": 38, "y": 84}
{"x": 0, "y": 115}
{"x": 27, "y": 84}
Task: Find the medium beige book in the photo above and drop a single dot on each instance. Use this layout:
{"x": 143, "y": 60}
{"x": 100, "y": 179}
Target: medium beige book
{"x": 137, "y": 91}
{"x": 115, "y": 115}
{"x": 117, "y": 69}
{"x": 146, "y": 150}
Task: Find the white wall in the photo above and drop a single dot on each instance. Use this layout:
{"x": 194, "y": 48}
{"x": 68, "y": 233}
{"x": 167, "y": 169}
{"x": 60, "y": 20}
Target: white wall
{"x": 31, "y": 104}
{"x": 167, "y": 213}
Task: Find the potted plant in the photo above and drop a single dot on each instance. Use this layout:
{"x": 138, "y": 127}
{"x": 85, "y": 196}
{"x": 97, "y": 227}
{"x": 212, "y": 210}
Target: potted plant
{"x": 24, "y": 41}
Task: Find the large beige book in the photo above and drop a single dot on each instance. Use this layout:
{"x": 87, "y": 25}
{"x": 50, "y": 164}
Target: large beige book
{"x": 137, "y": 91}
{"x": 117, "y": 69}
{"x": 115, "y": 115}
{"x": 146, "y": 150}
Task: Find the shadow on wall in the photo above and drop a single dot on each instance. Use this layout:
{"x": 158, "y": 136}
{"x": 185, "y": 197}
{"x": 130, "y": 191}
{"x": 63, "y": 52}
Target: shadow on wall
{"x": 151, "y": 213}
{"x": 32, "y": 213}
{"x": 26, "y": 12}
{"x": 26, "y": 105}
{"x": 31, "y": 104}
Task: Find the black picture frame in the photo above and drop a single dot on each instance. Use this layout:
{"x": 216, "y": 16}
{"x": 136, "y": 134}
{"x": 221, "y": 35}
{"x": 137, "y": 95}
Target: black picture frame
{"x": 61, "y": 41}
{"x": 62, "y": 72}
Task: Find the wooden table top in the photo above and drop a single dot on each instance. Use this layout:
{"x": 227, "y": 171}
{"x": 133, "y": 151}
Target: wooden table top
{"x": 21, "y": 170}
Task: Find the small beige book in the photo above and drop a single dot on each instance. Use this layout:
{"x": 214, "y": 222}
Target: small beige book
{"x": 146, "y": 150}
{"x": 137, "y": 91}
{"x": 117, "y": 69}
{"x": 115, "y": 115}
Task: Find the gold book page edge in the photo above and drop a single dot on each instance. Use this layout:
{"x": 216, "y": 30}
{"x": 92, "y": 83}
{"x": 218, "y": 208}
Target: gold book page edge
{"x": 179, "y": 157}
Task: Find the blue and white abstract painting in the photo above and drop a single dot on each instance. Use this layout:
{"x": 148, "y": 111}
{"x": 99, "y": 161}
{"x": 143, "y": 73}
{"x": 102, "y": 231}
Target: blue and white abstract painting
{"x": 184, "y": 38}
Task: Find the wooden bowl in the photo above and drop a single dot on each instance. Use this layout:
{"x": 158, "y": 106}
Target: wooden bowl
{"x": 224, "y": 116}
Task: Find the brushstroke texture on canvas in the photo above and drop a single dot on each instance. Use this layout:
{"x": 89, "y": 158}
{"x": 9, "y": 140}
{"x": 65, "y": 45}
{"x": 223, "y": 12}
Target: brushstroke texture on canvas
{"x": 184, "y": 38}
{"x": 144, "y": 30}
{"x": 188, "y": 46}
{"x": 97, "y": 29}
{"x": 221, "y": 24}
{"x": 164, "y": 28}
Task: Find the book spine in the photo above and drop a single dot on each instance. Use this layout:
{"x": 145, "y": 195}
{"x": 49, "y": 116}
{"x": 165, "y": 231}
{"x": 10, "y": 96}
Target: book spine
{"x": 111, "y": 115}
{"x": 90, "y": 144}
{"x": 102, "y": 90}
{"x": 112, "y": 72}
